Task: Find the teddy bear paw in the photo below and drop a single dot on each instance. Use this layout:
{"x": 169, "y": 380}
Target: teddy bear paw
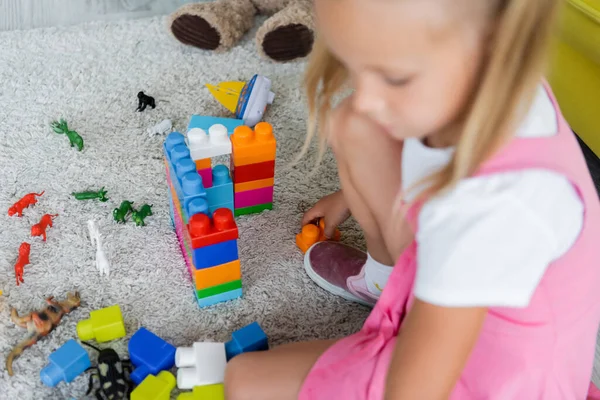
{"x": 288, "y": 42}
{"x": 195, "y": 31}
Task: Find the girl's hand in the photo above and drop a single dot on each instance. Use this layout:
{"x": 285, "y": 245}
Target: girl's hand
{"x": 333, "y": 208}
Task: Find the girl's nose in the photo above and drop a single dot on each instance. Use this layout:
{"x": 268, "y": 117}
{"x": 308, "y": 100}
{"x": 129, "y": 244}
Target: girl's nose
{"x": 367, "y": 99}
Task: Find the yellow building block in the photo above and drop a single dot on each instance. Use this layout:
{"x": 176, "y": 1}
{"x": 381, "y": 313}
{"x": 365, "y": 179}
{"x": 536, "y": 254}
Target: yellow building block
{"x": 208, "y": 392}
{"x": 155, "y": 387}
{"x": 253, "y": 146}
{"x": 103, "y": 325}
{"x": 213, "y": 276}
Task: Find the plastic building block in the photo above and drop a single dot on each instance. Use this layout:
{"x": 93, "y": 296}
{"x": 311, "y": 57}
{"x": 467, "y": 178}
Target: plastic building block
{"x": 205, "y": 122}
{"x": 202, "y": 364}
{"x": 248, "y": 338}
{"x": 103, "y": 325}
{"x": 258, "y": 184}
{"x": 218, "y": 289}
{"x": 150, "y": 354}
{"x": 229, "y": 206}
{"x": 155, "y": 387}
{"x": 66, "y": 363}
{"x": 205, "y": 163}
{"x": 222, "y": 186}
{"x": 219, "y": 298}
{"x": 203, "y": 145}
{"x": 209, "y": 277}
{"x": 253, "y": 172}
{"x": 207, "y": 392}
{"x": 216, "y": 254}
{"x": 253, "y": 146}
{"x": 206, "y": 175}
{"x": 205, "y": 231}
{"x": 252, "y": 210}
{"x": 312, "y": 234}
{"x": 254, "y": 197}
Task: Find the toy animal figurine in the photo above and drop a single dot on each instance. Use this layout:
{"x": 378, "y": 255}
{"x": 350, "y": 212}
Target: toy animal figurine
{"x": 161, "y": 128}
{"x": 120, "y": 213}
{"x": 144, "y": 101}
{"x": 102, "y": 264}
{"x": 138, "y": 216}
{"x": 40, "y": 324}
{"x": 100, "y": 195}
{"x": 61, "y": 127}
{"x": 25, "y": 201}
{"x": 22, "y": 261}
{"x": 112, "y": 375}
{"x": 39, "y": 229}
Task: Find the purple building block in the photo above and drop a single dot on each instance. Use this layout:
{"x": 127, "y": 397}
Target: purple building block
{"x": 66, "y": 363}
{"x": 149, "y": 354}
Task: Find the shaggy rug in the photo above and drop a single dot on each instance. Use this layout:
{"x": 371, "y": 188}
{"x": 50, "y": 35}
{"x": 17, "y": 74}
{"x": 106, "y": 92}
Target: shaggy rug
{"x": 90, "y": 75}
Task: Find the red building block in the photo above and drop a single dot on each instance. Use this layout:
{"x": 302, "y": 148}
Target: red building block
{"x": 205, "y": 232}
{"x": 253, "y": 172}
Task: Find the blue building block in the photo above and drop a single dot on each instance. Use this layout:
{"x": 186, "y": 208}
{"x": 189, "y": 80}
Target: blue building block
{"x": 150, "y": 354}
{"x": 182, "y": 170}
{"x": 215, "y": 254}
{"x": 229, "y": 205}
{"x": 66, "y": 363}
{"x": 248, "y": 338}
{"x": 204, "y": 122}
{"x": 219, "y": 298}
{"x": 221, "y": 191}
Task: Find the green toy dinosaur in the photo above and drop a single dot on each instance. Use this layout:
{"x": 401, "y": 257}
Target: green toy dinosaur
{"x": 138, "y": 216}
{"x": 100, "y": 195}
{"x": 61, "y": 127}
{"x": 120, "y": 213}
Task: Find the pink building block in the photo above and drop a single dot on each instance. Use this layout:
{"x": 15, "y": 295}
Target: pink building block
{"x": 254, "y": 197}
{"x": 206, "y": 175}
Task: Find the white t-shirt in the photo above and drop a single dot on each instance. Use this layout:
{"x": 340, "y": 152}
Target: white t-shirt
{"x": 489, "y": 241}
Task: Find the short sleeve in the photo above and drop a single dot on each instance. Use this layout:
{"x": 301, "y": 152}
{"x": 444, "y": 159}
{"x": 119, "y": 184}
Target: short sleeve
{"x": 489, "y": 241}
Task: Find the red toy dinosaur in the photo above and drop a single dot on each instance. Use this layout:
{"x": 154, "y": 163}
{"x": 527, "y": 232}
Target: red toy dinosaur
{"x": 39, "y": 229}
{"x": 40, "y": 323}
{"x": 26, "y": 201}
{"x": 22, "y": 261}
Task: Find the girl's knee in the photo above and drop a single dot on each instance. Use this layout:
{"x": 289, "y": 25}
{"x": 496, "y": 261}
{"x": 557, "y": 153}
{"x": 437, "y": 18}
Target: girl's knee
{"x": 237, "y": 382}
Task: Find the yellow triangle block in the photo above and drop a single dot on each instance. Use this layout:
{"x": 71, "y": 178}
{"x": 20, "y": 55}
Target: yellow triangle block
{"x": 227, "y": 93}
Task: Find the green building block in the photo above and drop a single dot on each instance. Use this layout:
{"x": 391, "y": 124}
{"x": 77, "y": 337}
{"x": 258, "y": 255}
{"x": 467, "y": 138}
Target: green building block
{"x": 225, "y": 287}
{"x": 253, "y": 210}
{"x": 155, "y": 387}
{"x": 208, "y": 392}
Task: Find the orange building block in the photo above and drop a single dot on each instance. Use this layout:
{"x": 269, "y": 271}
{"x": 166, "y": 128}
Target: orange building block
{"x": 259, "y": 184}
{"x": 251, "y": 147}
{"x": 213, "y": 276}
{"x": 203, "y": 164}
{"x": 205, "y": 231}
{"x": 312, "y": 234}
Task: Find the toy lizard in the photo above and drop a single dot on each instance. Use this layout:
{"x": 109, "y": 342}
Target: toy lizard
{"x": 100, "y": 195}
{"x": 39, "y": 229}
{"x": 22, "y": 261}
{"x": 40, "y": 324}
{"x": 61, "y": 127}
{"x": 25, "y": 201}
{"x": 138, "y": 216}
{"x": 120, "y": 213}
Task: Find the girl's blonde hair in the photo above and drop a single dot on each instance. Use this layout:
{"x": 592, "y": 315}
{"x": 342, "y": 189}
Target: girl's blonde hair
{"x": 506, "y": 86}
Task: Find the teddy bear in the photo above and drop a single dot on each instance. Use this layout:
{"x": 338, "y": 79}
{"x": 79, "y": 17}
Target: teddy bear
{"x": 287, "y": 34}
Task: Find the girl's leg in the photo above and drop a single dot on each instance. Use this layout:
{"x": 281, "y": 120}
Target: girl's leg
{"x": 275, "y": 374}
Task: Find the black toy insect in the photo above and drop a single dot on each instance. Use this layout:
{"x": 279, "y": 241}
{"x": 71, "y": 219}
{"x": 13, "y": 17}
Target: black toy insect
{"x": 144, "y": 100}
{"x": 112, "y": 375}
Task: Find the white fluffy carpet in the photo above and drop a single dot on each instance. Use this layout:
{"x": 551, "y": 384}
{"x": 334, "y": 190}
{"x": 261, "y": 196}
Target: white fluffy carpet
{"x": 90, "y": 75}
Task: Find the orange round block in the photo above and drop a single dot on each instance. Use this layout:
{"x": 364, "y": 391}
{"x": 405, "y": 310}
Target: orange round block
{"x": 310, "y": 235}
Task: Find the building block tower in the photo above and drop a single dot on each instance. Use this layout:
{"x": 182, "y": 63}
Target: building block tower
{"x": 207, "y": 236}
{"x": 253, "y": 168}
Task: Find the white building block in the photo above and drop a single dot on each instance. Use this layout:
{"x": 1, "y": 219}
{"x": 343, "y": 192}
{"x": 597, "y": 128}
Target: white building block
{"x": 202, "y": 364}
{"x": 203, "y": 145}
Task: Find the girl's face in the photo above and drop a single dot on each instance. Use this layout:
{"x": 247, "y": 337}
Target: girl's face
{"x": 413, "y": 63}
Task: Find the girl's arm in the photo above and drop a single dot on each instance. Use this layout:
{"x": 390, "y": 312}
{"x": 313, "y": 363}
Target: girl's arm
{"x": 431, "y": 351}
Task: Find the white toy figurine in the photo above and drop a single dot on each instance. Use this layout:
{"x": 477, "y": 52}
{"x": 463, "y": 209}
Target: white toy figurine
{"x": 161, "y": 128}
{"x": 101, "y": 261}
